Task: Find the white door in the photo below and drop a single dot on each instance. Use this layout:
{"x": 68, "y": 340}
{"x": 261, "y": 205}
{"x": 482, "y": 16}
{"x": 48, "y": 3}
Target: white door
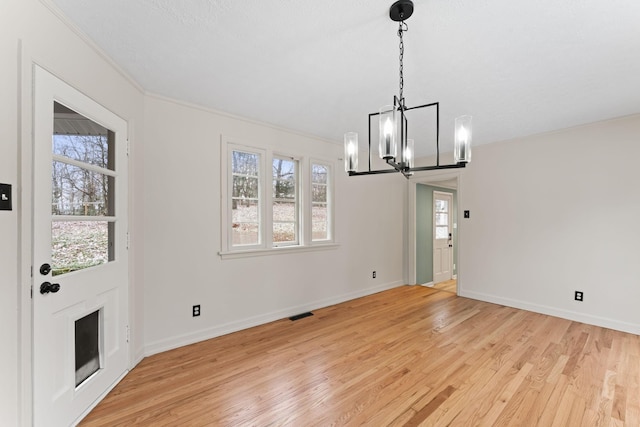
{"x": 442, "y": 236}
{"x": 80, "y": 267}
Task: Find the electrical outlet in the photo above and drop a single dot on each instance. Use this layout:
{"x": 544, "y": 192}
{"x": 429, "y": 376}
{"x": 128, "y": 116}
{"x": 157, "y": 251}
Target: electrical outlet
{"x": 374, "y": 274}
{"x": 196, "y": 310}
{"x": 578, "y": 296}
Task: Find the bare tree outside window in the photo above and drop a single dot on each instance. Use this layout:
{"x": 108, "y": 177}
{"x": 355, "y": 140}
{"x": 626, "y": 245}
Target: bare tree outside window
{"x": 80, "y": 191}
{"x": 285, "y": 201}
{"x": 76, "y": 190}
{"x": 319, "y": 202}
{"x": 245, "y": 198}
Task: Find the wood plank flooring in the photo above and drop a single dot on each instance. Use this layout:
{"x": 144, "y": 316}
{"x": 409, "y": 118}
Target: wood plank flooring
{"x": 447, "y": 286}
{"x": 408, "y": 356}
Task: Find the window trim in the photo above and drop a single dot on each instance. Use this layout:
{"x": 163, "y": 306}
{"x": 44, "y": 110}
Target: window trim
{"x": 227, "y": 184}
{"x": 330, "y": 201}
{"x": 299, "y": 230}
{"x": 304, "y": 200}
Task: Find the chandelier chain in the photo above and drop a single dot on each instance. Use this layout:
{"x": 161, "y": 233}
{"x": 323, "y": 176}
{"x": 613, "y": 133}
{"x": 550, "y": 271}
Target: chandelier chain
{"x": 401, "y": 29}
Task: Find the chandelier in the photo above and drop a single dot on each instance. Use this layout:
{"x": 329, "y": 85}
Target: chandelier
{"x": 394, "y": 145}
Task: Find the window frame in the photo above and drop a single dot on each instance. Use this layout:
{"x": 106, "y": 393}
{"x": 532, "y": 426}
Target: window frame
{"x": 330, "y": 201}
{"x": 228, "y": 197}
{"x": 298, "y": 229}
{"x": 304, "y": 201}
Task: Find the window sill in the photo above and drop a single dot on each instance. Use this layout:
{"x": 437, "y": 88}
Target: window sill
{"x": 277, "y": 251}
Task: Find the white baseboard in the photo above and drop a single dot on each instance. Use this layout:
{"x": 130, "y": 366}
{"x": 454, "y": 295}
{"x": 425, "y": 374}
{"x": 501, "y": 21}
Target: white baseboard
{"x": 428, "y": 284}
{"x": 556, "y": 312}
{"x": 205, "y": 334}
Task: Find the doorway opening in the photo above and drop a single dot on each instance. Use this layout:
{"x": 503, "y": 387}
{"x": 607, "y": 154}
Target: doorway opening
{"x": 434, "y": 231}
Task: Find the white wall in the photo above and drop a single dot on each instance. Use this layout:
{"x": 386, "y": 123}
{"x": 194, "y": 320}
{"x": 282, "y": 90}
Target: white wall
{"x": 30, "y": 32}
{"x": 182, "y": 233}
{"x": 552, "y": 214}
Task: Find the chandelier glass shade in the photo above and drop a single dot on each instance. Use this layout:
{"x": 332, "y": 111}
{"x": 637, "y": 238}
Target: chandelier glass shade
{"x": 394, "y": 145}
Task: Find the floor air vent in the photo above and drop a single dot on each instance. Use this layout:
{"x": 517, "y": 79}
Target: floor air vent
{"x": 301, "y": 315}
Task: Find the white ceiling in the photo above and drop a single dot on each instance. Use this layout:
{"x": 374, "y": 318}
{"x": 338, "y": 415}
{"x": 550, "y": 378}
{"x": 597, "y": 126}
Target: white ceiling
{"x": 320, "y": 66}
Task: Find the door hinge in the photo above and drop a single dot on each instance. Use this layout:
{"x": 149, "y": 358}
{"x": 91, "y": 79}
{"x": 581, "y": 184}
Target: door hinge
{"x": 128, "y": 333}
{"x": 128, "y": 241}
{"x": 128, "y": 147}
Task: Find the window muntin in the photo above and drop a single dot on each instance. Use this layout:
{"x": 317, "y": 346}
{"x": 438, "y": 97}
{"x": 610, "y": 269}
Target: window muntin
{"x": 245, "y": 198}
{"x": 285, "y": 218}
{"x": 320, "y": 208}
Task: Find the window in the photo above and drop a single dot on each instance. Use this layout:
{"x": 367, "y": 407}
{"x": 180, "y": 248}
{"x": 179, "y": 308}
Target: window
{"x": 245, "y": 198}
{"x": 274, "y": 202}
{"x": 442, "y": 219}
{"x": 285, "y": 201}
{"x": 320, "y": 208}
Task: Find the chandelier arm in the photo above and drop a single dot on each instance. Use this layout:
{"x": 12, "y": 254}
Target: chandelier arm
{"x": 407, "y": 171}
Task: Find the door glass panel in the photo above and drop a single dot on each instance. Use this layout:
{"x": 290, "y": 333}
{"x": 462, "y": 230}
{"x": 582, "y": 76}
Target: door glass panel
{"x": 87, "y": 346}
{"x": 81, "y": 148}
{"x": 79, "y": 191}
{"x": 76, "y": 245}
{"x": 442, "y": 232}
{"x": 91, "y": 149}
{"x": 442, "y": 206}
{"x": 442, "y": 219}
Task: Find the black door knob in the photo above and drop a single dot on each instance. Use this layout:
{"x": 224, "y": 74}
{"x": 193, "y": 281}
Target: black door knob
{"x": 45, "y": 269}
{"x": 47, "y": 287}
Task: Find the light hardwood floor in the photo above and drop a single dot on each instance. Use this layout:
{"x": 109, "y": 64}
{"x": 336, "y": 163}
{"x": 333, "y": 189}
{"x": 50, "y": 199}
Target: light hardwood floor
{"x": 448, "y": 286}
{"x": 408, "y": 356}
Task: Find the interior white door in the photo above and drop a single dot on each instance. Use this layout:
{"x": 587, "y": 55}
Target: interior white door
{"x": 442, "y": 236}
{"x": 80, "y": 266}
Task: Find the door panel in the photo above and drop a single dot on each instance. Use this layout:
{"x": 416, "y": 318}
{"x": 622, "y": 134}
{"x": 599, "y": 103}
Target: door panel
{"x": 442, "y": 236}
{"x": 80, "y": 300}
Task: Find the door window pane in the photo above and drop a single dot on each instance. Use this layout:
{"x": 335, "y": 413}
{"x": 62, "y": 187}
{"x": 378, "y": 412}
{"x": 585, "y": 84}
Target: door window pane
{"x": 81, "y": 149}
{"x": 442, "y": 206}
{"x": 76, "y": 245}
{"x": 442, "y": 219}
{"x": 80, "y": 138}
{"x": 80, "y": 191}
{"x": 442, "y": 232}
{"x": 90, "y": 149}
